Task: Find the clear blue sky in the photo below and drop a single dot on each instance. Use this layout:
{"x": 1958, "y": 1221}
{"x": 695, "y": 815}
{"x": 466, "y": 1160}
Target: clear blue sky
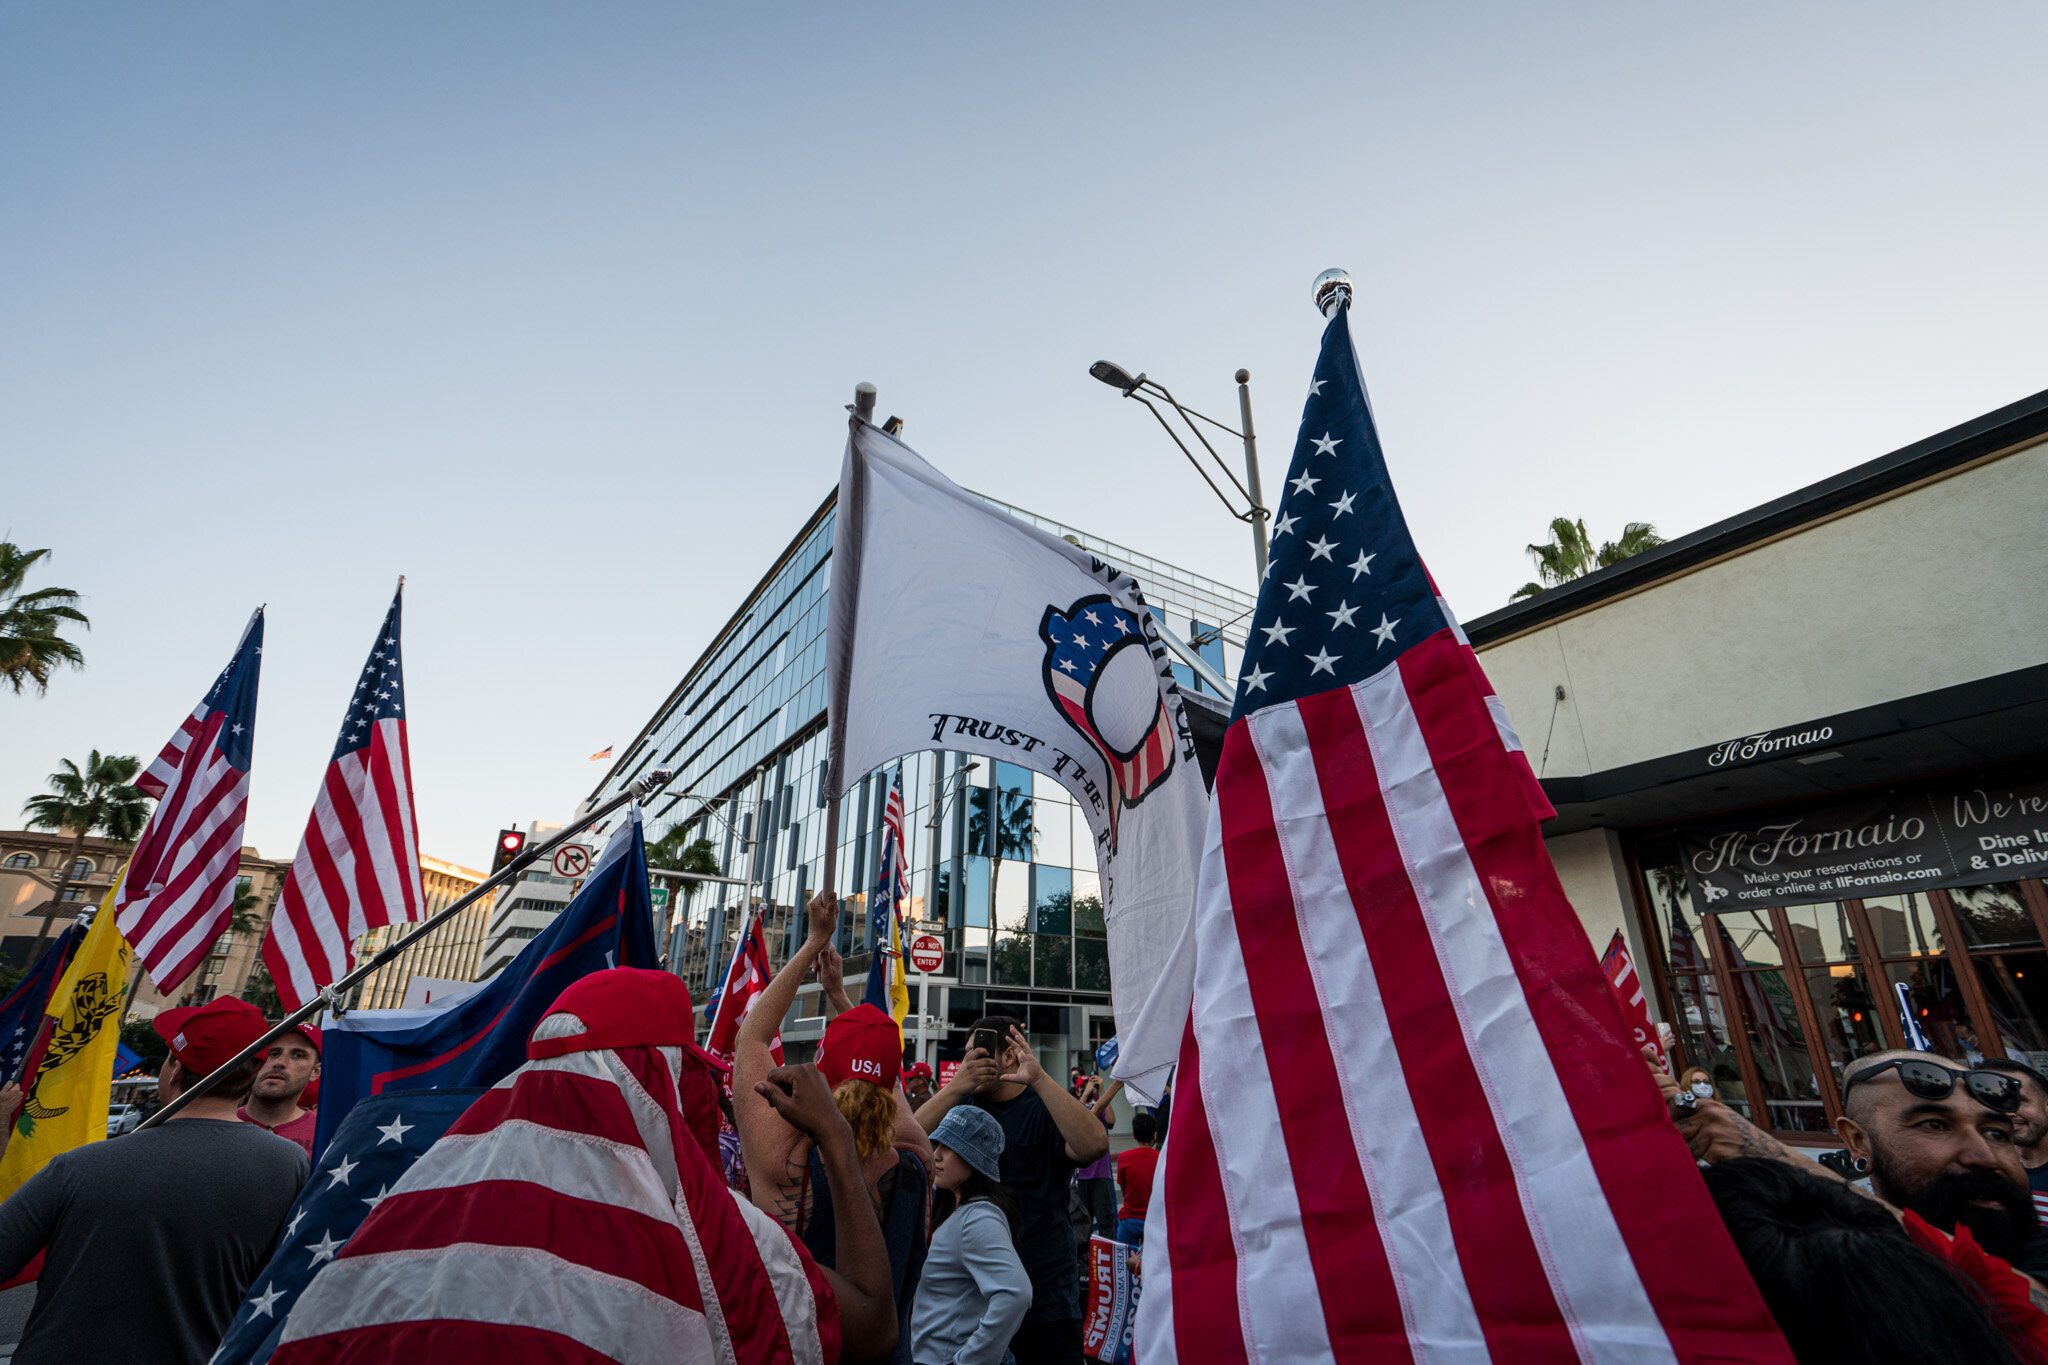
{"x": 554, "y": 308}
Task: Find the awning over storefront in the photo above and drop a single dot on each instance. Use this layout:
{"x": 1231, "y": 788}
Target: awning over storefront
{"x": 1988, "y": 723}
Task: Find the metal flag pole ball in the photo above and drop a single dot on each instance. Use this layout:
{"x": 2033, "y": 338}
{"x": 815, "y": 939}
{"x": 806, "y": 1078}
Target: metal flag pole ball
{"x": 654, "y": 781}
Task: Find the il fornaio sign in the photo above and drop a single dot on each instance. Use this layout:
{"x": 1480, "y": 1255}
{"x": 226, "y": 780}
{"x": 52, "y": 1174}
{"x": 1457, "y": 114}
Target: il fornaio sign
{"x": 1765, "y": 744}
{"x": 1964, "y": 835}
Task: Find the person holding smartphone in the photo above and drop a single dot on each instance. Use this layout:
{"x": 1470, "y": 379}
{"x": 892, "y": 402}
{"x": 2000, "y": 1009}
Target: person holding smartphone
{"x": 1047, "y": 1134}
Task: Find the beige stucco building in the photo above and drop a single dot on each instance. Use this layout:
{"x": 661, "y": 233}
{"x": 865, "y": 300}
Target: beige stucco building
{"x": 31, "y": 862}
{"x": 1877, "y": 642}
{"x": 451, "y": 953}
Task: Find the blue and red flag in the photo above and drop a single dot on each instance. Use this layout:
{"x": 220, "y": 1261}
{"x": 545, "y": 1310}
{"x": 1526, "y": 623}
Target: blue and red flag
{"x": 480, "y": 1039}
{"x": 24, "y": 1012}
{"x": 1411, "y": 1124}
{"x": 887, "y": 988}
{"x": 179, "y": 892}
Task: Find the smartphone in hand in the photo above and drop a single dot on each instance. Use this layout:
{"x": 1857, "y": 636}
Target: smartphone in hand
{"x": 988, "y": 1040}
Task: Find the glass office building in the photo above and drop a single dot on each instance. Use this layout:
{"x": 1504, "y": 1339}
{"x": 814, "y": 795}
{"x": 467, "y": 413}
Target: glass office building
{"x": 1001, "y": 863}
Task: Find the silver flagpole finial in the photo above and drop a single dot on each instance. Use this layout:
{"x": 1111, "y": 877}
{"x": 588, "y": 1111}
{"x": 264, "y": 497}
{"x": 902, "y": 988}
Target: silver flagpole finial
{"x": 654, "y": 781}
{"x": 1332, "y": 287}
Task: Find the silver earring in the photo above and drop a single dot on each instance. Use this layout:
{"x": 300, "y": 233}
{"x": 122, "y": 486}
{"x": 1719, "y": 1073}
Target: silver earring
{"x": 1862, "y": 1164}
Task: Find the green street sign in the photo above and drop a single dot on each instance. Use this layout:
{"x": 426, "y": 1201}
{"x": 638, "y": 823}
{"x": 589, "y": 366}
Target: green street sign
{"x": 660, "y": 894}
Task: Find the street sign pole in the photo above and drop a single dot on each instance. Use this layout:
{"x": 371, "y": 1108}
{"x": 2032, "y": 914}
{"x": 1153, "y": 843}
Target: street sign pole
{"x": 927, "y": 951}
{"x": 924, "y": 1015}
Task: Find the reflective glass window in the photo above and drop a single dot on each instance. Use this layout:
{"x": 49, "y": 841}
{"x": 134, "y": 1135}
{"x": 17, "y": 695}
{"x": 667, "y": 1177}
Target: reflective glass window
{"x": 1088, "y": 905}
{"x": 1052, "y": 900}
{"x": 1010, "y": 882}
{"x": 975, "y": 908}
{"x": 1705, "y": 1037}
{"x": 1792, "y": 1099}
{"x": 1748, "y": 937}
{"x": 1053, "y": 967}
{"x": 1010, "y": 961}
{"x": 1052, "y": 832}
{"x": 1994, "y": 916}
{"x": 1903, "y": 926}
{"x": 1847, "y": 1011}
{"x": 1091, "y": 964}
{"x": 1677, "y": 927}
{"x": 1937, "y": 1004}
{"x": 974, "y": 953}
{"x": 1820, "y": 933}
{"x": 2016, "y": 987}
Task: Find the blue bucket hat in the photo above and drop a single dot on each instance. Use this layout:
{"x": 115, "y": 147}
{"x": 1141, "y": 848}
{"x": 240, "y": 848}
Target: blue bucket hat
{"x": 975, "y": 1135}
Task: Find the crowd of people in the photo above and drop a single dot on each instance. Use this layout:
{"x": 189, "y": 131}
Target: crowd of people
{"x": 945, "y": 1223}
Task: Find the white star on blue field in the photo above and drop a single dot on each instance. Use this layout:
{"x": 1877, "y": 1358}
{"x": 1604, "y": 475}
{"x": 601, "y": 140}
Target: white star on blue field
{"x": 1345, "y": 592}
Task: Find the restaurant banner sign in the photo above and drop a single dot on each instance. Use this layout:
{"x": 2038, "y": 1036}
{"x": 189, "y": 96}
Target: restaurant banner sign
{"x": 1964, "y": 835}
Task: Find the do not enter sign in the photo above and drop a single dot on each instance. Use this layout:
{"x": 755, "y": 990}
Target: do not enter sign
{"x": 572, "y": 860}
{"x": 927, "y": 953}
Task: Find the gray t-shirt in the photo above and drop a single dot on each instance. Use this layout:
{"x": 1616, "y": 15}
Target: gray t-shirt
{"x": 152, "y": 1240}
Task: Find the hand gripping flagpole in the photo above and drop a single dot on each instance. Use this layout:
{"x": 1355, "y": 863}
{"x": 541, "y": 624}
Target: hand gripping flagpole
{"x": 330, "y": 997}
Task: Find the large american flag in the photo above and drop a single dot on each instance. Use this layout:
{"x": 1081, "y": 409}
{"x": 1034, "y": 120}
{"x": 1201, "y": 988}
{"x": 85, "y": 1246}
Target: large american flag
{"x": 358, "y": 865}
{"x": 179, "y": 892}
{"x": 575, "y": 1212}
{"x": 1409, "y": 1126}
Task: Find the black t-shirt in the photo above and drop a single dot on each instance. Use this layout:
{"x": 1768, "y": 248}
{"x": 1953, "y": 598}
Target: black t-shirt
{"x": 1035, "y": 1166}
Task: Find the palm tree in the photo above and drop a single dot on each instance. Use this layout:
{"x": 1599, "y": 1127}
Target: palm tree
{"x": 677, "y": 851}
{"x": 97, "y": 799}
{"x": 30, "y": 646}
{"x": 1570, "y": 553}
{"x": 243, "y": 917}
{"x": 1013, "y": 828}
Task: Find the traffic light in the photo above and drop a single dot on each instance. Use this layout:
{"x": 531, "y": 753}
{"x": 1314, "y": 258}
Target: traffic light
{"x": 510, "y": 841}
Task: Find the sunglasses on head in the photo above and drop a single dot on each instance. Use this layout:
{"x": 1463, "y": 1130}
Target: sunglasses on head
{"x": 1932, "y": 1081}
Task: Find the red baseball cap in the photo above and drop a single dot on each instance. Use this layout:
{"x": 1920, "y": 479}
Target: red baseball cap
{"x": 916, "y": 1070}
{"x": 624, "y": 1007}
{"x": 862, "y": 1044}
{"x": 312, "y": 1036}
{"x": 202, "y": 1037}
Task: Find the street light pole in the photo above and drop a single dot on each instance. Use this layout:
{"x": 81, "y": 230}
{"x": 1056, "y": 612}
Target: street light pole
{"x": 1251, "y": 470}
{"x": 1144, "y": 389}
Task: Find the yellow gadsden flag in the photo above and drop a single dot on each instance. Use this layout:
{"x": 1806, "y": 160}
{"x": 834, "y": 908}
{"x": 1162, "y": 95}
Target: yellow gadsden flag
{"x": 67, "y": 1105}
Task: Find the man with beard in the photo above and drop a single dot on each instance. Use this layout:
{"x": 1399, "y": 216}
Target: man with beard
{"x": 1937, "y": 1138}
{"x": 291, "y": 1066}
{"x": 2030, "y": 1137}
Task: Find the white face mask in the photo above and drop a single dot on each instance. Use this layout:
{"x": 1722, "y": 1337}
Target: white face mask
{"x": 1703, "y": 1089}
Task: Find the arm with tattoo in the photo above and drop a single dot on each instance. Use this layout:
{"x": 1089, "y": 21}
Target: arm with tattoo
{"x": 776, "y": 1154}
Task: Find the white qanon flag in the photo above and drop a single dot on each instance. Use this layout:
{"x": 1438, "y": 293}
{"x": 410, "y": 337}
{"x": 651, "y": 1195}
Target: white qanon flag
{"x": 955, "y": 626}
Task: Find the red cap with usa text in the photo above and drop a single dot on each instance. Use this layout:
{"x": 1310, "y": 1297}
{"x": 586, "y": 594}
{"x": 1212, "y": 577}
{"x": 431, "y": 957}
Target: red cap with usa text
{"x": 861, "y": 1045}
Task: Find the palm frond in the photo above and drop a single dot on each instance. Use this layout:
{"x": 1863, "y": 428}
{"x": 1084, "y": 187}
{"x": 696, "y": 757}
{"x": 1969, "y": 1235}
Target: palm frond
{"x": 32, "y": 646}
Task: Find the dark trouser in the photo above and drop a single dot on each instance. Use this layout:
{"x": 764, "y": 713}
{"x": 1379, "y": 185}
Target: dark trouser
{"x": 1098, "y": 1196}
{"x": 1048, "y": 1343}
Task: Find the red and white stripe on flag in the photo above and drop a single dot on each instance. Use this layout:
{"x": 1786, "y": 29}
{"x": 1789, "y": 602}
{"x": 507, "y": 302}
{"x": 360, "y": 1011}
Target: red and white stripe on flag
{"x": 178, "y": 894}
{"x": 358, "y": 864}
{"x": 1407, "y": 1126}
{"x": 570, "y": 1214}
{"x": 156, "y": 779}
{"x": 746, "y": 977}
{"x": 1620, "y": 971}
